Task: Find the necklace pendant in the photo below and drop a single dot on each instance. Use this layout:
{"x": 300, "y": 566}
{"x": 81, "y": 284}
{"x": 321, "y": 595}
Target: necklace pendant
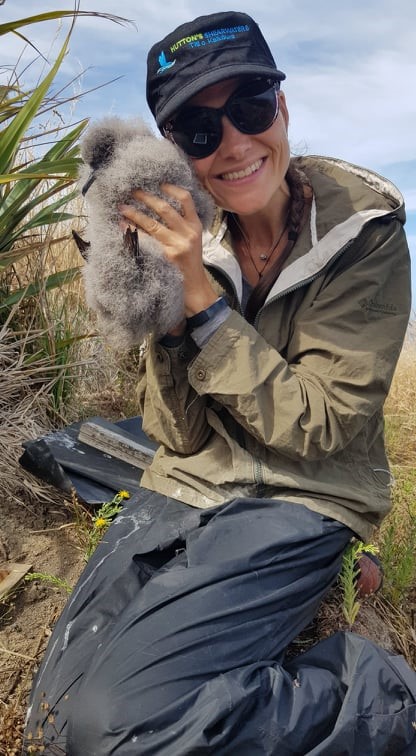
{"x": 264, "y": 257}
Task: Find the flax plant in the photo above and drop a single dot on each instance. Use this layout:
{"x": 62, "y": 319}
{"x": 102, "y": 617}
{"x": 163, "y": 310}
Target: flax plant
{"x": 34, "y": 192}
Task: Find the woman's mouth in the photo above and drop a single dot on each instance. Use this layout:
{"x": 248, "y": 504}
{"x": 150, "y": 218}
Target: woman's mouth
{"x": 236, "y": 175}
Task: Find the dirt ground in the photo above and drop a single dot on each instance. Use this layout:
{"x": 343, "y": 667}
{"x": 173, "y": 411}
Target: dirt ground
{"x": 44, "y": 536}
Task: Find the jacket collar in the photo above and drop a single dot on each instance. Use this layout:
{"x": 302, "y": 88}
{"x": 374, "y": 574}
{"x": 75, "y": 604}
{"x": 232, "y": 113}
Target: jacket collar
{"x": 345, "y": 198}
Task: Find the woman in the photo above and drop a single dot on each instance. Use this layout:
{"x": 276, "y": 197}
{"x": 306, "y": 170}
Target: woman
{"x": 266, "y": 401}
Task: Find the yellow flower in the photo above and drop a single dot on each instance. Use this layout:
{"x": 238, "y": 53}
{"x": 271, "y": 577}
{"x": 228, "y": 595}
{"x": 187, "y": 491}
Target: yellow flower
{"x": 100, "y": 522}
{"x": 123, "y": 495}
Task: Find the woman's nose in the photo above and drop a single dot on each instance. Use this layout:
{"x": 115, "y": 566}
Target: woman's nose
{"x": 233, "y": 141}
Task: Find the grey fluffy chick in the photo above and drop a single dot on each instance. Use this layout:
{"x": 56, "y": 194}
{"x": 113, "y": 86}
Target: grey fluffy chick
{"x": 129, "y": 283}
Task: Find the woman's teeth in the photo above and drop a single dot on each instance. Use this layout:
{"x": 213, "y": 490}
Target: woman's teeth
{"x": 234, "y": 175}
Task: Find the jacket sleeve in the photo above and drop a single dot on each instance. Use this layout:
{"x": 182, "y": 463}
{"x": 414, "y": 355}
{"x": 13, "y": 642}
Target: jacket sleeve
{"x": 173, "y": 412}
{"x": 339, "y": 360}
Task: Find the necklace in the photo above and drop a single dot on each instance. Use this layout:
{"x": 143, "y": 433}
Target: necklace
{"x": 264, "y": 256}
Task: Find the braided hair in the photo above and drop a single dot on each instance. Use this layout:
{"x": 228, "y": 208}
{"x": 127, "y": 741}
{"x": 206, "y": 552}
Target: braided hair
{"x": 297, "y": 182}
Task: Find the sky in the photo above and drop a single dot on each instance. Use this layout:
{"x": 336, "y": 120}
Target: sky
{"x": 351, "y": 71}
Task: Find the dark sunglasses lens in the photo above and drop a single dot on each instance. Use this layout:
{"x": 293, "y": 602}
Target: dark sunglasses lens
{"x": 253, "y": 111}
{"x": 198, "y": 131}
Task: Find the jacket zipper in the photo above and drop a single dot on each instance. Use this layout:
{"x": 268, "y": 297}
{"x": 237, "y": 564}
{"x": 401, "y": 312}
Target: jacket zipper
{"x": 305, "y": 281}
{"x": 290, "y": 289}
{"x": 258, "y": 474}
{"x": 257, "y": 465}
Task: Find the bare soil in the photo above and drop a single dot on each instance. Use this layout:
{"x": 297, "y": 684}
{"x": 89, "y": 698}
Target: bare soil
{"x": 43, "y": 536}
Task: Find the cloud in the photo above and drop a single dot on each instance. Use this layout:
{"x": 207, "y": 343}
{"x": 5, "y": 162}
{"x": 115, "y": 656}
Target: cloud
{"x": 348, "y": 65}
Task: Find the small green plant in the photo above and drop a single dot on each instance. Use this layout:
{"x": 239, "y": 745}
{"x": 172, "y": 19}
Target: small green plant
{"x": 53, "y": 580}
{"x": 7, "y": 604}
{"x": 90, "y": 528}
{"x": 348, "y": 578}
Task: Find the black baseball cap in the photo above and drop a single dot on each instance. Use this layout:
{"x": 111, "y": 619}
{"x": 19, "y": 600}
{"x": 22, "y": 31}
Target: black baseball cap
{"x": 203, "y": 52}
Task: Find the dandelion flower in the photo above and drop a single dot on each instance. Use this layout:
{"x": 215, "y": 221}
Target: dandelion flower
{"x": 123, "y": 495}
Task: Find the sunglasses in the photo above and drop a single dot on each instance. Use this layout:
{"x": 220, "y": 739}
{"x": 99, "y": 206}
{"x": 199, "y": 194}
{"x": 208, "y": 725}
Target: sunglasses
{"x": 252, "y": 108}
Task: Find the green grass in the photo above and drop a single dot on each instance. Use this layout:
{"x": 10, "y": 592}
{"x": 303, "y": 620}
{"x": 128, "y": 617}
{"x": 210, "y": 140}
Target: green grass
{"x": 90, "y": 528}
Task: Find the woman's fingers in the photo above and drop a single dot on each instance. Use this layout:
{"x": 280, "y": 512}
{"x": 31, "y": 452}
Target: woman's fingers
{"x": 183, "y": 198}
{"x": 179, "y": 230}
{"x": 139, "y": 219}
{"x": 165, "y": 219}
{"x": 170, "y": 215}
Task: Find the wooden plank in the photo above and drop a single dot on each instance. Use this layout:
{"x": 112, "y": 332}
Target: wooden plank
{"x": 10, "y": 575}
{"x": 110, "y": 439}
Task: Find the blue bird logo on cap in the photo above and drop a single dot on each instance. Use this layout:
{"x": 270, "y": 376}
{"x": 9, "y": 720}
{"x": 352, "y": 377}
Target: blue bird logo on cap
{"x": 164, "y": 64}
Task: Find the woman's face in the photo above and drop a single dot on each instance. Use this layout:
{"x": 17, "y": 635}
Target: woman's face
{"x": 246, "y": 172}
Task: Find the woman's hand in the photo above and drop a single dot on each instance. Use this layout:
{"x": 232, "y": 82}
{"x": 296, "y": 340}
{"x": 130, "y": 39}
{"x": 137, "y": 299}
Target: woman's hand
{"x": 180, "y": 234}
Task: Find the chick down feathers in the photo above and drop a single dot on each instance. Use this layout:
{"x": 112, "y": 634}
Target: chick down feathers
{"x": 129, "y": 283}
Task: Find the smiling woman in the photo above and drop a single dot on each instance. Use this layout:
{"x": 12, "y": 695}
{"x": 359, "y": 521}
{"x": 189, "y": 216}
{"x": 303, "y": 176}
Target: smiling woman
{"x": 265, "y": 398}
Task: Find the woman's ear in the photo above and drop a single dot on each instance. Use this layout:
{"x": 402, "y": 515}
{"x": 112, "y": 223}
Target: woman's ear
{"x": 283, "y": 108}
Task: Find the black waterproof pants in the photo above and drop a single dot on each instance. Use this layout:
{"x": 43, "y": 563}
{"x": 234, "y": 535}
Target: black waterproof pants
{"x": 173, "y": 643}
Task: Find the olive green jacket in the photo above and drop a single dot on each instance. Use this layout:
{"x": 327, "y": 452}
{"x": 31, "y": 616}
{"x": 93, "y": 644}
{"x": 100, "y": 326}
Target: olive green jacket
{"x": 292, "y": 407}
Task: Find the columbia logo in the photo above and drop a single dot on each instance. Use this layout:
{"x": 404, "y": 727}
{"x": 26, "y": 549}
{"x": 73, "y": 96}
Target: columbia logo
{"x": 374, "y": 305}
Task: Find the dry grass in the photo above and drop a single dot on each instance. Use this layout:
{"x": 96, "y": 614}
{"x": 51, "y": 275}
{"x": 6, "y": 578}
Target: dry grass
{"x": 397, "y": 537}
{"x": 400, "y": 407}
{"x": 54, "y": 369}
{"x": 24, "y": 403}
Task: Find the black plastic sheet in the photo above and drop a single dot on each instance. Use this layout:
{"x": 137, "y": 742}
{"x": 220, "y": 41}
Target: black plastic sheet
{"x": 63, "y": 461}
{"x": 173, "y": 644}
